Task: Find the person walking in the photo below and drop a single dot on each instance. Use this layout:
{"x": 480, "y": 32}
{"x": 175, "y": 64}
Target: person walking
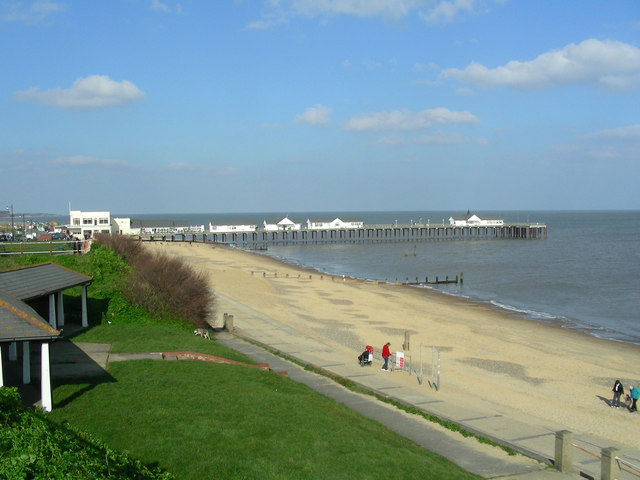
{"x": 618, "y": 390}
{"x": 635, "y": 393}
{"x": 386, "y": 353}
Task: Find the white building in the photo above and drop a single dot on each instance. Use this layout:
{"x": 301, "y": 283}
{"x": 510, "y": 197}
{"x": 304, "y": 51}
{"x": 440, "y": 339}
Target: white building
{"x": 122, "y": 226}
{"x": 333, "y": 223}
{"x": 230, "y": 226}
{"x": 475, "y": 221}
{"x": 87, "y": 224}
{"x": 281, "y": 224}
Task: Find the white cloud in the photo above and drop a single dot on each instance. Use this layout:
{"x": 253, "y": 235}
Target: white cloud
{"x": 317, "y": 115}
{"x": 179, "y": 167}
{"x": 346, "y": 63}
{"x": 406, "y": 120}
{"x": 360, "y": 8}
{"x": 95, "y": 91}
{"x": 609, "y": 64}
{"x": 441, "y": 138}
{"x": 630, "y": 133}
{"x": 31, "y": 13}
{"x": 82, "y": 160}
{"x": 392, "y": 140}
{"x": 421, "y": 67}
{"x": 371, "y": 64}
{"x": 266, "y": 23}
{"x": 159, "y": 6}
{"x": 447, "y": 11}
{"x": 282, "y": 11}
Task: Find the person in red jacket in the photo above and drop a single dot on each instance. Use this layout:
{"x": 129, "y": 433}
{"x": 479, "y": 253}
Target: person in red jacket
{"x": 386, "y": 354}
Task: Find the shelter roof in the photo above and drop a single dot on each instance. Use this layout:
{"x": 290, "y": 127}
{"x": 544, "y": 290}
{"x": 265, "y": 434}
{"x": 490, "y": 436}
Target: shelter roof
{"x": 19, "y": 322}
{"x": 35, "y": 281}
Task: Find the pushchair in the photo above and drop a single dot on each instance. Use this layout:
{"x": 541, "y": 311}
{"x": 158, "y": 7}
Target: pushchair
{"x": 366, "y": 357}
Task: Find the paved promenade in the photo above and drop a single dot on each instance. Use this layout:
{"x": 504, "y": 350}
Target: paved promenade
{"x": 535, "y": 441}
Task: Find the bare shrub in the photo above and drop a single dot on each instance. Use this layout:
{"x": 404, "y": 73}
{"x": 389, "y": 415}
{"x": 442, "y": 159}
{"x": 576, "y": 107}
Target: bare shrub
{"x": 124, "y": 246}
{"x": 170, "y": 288}
{"x": 167, "y": 287}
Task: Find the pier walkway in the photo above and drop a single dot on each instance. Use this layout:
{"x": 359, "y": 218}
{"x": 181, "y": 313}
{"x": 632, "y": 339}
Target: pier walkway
{"x": 368, "y": 233}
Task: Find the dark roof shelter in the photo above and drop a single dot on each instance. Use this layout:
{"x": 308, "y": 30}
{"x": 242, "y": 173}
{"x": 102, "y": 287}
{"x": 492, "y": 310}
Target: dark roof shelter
{"x": 35, "y": 281}
{"x": 21, "y": 323}
{"x": 46, "y": 279}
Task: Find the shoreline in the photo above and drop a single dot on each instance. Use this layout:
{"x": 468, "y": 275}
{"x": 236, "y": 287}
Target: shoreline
{"x": 502, "y": 309}
{"x": 502, "y": 363}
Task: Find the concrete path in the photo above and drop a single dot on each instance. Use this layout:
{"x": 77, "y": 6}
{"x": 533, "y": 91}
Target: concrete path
{"x": 535, "y": 441}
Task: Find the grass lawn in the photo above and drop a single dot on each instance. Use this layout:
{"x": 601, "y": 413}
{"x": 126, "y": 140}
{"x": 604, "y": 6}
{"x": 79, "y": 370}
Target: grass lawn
{"x": 155, "y": 337}
{"x": 201, "y": 420}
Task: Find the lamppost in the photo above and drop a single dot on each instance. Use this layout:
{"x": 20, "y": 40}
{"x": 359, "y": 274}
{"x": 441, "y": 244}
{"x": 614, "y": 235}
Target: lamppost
{"x": 11, "y": 221}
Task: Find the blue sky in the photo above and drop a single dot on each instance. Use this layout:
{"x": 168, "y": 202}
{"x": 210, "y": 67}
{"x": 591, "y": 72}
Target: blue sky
{"x": 151, "y": 106}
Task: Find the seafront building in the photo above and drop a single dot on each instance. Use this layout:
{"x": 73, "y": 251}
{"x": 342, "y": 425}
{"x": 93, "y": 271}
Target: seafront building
{"x": 232, "y": 226}
{"x": 87, "y": 224}
{"x": 475, "y": 221}
{"x": 331, "y": 223}
{"x": 282, "y": 223}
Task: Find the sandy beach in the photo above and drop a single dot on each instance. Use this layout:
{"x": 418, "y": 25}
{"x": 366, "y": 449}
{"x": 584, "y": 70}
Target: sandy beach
{"x": 539, "y": 373}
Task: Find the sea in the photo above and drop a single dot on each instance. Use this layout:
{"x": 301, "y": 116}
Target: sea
{"x": 584, "y": 275}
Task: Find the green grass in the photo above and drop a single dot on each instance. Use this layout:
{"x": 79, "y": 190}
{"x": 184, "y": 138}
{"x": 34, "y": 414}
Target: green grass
{"x": 155, "y": 337}
{"x": 201, "y": 420}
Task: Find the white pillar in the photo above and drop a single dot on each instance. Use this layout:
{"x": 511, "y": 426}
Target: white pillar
{"x": 85, "y": 323}
{"x": 45, "y": 379}
{"x": 60, "y": 310}
{"x": 52, "y": 310}
{"x": 1, "y": 369}
{"x": 26, "y": 363}
{"x": 13, "y": 352}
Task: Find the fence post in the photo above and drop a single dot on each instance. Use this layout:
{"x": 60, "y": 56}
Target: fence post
{"x": 438, "y": 385}
{"x": 610, "y": 469}
{"x": 228, "y": 323}
{"x": 563, "y": 460}
{"x": 419, "y": 375}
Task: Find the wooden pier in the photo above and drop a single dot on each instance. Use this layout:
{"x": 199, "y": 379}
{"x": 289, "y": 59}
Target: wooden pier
{"x": 260, "y": 238}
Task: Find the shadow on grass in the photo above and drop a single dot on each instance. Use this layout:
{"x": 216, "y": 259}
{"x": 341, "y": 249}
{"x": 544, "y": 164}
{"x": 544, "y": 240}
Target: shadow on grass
{"x": 78, "y": 369}
{"x": 78, "y": 387}
{"x": 70, "y": 365}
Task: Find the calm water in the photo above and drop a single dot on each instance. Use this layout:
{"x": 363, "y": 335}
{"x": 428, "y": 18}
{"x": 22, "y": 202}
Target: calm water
{"x": 584, "y": 275}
